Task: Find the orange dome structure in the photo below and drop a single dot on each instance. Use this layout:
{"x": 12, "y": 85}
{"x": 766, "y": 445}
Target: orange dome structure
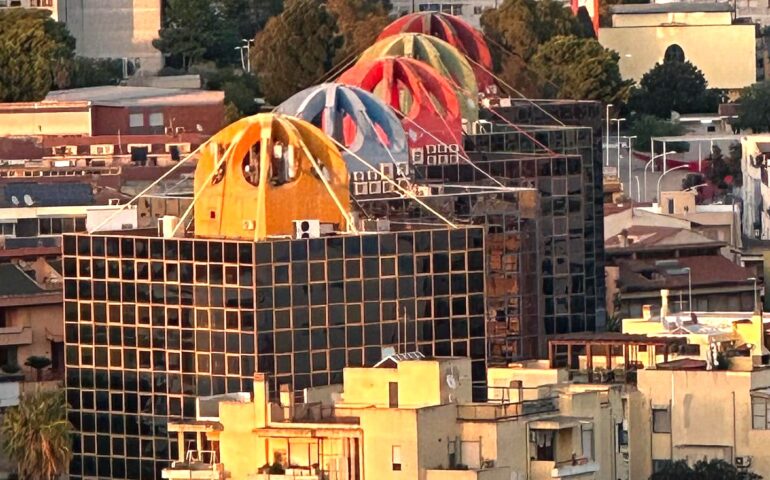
{"x": 455, "y": 31}
{"x": 260, "y": 174}
{"x": 430, "y": 110}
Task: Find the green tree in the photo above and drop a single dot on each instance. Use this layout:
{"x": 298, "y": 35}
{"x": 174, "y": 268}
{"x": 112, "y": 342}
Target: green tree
{"x": 195, "y": 30}
{"x": 38, "y": 363}
{"x": 754, "y": 110}
{"x": 295, "y": 49}
{"x": 515, "y": 31}
{"x": 579, "y": 68}
{"x": 725, "y": 170}
{"x": 248, "y": 16}
{"x": 673, "y": 86}
{"x": 36, "y": 435}
{"x": 241, "y": 88}
{"x": 703, "y": 470}
{"x": 34, "y": 53}
{"x": 648, "y": 126}
{"x": 92, "y": 72}
{"x": 359, "y": 22}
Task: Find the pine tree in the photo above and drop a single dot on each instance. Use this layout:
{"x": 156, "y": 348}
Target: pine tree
{"x": 35, "y": 52}
{"x": 295, "y": 49}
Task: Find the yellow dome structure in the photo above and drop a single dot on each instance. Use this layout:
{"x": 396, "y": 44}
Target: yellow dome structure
{"x": 258, "y": 175}
{"x": 447, "y": 60}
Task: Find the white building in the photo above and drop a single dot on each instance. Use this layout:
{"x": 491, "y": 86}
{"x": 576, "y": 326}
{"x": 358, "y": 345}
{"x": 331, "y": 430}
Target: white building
{"x": 468, "y": 10}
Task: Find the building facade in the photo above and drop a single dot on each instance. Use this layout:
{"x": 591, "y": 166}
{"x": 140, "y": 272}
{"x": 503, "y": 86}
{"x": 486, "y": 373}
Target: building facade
{"x": 469, "y": 10}
{"x": 152, "y": 323}
{"x": 702, "y": 33}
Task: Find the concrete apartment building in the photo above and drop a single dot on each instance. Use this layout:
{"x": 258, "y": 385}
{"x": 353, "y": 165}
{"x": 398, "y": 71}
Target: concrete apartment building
{"x": 702, "y": 33}
{"x": 540, "y": 430}
{"x": 108, "y": 28}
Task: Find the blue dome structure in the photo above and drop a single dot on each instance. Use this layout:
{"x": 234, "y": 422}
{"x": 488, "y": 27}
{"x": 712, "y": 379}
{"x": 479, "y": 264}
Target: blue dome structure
{"x": 357, "y": 119}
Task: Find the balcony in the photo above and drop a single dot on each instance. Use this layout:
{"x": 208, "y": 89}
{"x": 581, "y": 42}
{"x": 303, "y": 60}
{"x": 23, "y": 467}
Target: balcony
{"x": 301, "y": 475}
{"x": 494, "y": 411}
{"x": 15, "y": 336}
{"x": 194, "y": 471}
{"x": 484, "y": 474}
{"x": 542, "y": 469}
{"x": 195, "y": 467}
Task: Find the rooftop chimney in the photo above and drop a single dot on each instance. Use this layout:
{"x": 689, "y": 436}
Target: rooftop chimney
{"x": 663, "y": 305}
{"x": 646, "y": 312}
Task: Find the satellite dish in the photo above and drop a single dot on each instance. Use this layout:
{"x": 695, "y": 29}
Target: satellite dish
{"x": 14, "y": 200}
{"x": 28, "y": 200}
{"x": 451, "y": 381}
{"x": 199, "y": 127}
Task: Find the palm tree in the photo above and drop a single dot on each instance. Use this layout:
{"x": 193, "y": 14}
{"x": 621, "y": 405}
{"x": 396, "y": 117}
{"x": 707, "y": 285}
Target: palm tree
{"x": 38, "y": 363}
{"x": 36, "y": 435}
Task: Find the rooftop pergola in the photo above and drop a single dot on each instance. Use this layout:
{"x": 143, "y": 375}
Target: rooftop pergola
{"x": 603, "y": 344}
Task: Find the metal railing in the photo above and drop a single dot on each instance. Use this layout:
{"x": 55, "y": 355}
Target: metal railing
{"x": 492, "y": 411}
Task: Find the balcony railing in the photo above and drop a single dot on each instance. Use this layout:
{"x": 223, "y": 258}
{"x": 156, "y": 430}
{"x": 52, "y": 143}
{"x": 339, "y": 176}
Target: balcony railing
{"x": 492, "y": 411}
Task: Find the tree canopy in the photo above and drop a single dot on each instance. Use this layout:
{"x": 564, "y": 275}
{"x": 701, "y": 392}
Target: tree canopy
{"x": 673, "y": 86}
{"x": 702, "y": 470}
{"x": 648, "y": 126}
{"x": 34, "y": 53}
{"x": 195, "y": 30}
{"x": 754, "y": 111}
{"x": 36, "y": 435}
{"x": 359, "y": 22}
{"x": 517, "y": 29}
{"x": 295, "y": 49}
{"x": 581, "y": 68}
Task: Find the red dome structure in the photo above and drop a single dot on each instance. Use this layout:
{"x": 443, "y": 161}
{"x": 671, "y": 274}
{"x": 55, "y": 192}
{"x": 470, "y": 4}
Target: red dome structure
{"x": 454, "y": 31}
{"x": 431, "y": 112}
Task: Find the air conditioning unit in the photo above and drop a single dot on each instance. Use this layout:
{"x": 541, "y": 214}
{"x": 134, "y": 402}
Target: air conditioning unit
{"x": 179, "y": 130}
{"x": 307, "y": 228}
{"x": 743, "y": 462}
{"x": 102, "y": 149}
{"x": 375, "y": 225}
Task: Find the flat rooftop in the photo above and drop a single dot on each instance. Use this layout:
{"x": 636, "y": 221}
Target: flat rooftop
{"x": 119, "y": 96}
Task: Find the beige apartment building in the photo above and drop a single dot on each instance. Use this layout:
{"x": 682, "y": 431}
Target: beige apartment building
{"x": 410, "y": 418}
{"x": 702, "y": 33}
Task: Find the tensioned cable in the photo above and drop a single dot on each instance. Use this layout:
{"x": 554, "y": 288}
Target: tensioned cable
{"x": 517, "y": 92}
{"x": 205, "y": 184}
{"x": 151, "y": 186}
{"x": 322, "y": 176}
{"x": 395, "y": 184}
{"x": 459, "y": 153}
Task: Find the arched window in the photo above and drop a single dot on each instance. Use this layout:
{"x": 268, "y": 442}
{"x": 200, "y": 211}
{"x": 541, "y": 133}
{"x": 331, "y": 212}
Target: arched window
{"x": 674, "y": 53}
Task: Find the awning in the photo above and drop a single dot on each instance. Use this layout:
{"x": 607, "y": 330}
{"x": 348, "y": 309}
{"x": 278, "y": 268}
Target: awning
{"x": 558, "y": 423}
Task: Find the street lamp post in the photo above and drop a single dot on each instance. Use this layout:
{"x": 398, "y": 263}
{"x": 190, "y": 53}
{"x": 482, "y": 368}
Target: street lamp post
{"x": 618, "y": 121}
{"x": 645, "y": 170}
{"x": 245, "y": 63}
{"x": 638, "y": 190}
{"x": 664, "y": 174}
{"x": 630, "y": 157}
{"x": 607, "y": 136}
